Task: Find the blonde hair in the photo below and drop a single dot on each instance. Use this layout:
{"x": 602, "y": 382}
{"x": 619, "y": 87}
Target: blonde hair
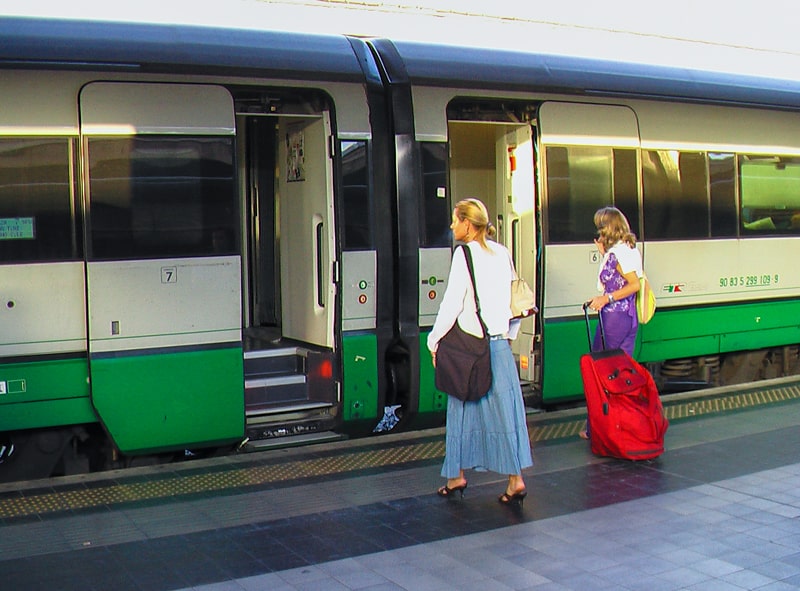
{"x": 612, "y": 227}
{"x": 475, "y": 211}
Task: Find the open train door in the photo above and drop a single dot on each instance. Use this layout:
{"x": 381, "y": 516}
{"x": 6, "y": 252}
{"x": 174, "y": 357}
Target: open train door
{"x": 163, "y": 269}
{"x": 308, "y": 287}
{"x": 516, "y": 216}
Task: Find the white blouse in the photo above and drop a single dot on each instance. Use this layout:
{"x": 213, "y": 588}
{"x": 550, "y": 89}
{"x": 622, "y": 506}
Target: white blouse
{"x": 628, "y": 257}
{"x": 493, "y": 274}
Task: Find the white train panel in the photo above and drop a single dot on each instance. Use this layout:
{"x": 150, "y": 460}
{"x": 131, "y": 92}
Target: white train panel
{"x": 570, "y": 278}
{"x": 588, "y": 125}
{"x": 359, "y": 273}
{"x": 42, "y": 309}
{"x": 722, "y": 271}
{"x": 126, "y": 109}
{"x": 37, "y": 104}
{"x": 164, "y": 303}
{"x": 717, "y": 128}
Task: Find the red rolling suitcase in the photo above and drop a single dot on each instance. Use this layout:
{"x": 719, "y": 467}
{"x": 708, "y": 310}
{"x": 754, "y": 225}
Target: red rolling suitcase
{"x": 626, "y": 418}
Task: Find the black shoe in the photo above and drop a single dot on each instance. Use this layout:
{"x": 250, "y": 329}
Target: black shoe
{"x": 447, "y": 492}
{"x": 513, "y": 499}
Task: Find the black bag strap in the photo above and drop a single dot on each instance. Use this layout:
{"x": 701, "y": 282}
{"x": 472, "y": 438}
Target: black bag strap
{"x": 468, "y": 256}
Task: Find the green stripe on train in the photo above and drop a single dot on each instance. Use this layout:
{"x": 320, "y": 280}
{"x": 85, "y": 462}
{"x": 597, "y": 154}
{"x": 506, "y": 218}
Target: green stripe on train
{"x": 173, "y": 401}
{"x": 671, "y": 334}
{"x": 360, "y": 384}
{"x": 45, "y": 393}
{"x": 431, "y": 400}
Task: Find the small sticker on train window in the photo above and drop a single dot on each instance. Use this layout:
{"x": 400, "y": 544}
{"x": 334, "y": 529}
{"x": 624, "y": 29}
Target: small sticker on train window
{"x": 17, "y": 229}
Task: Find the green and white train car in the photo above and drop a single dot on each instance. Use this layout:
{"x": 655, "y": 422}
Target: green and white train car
{"x": 213, "y": 236}
{"x": 704, "y": 165}
{"x": 187, "y": 239}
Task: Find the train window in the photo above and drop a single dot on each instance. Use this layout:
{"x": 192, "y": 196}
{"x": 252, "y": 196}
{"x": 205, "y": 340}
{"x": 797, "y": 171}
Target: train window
{"x": 36, "y": 204}
{"x": 581, "y": 180}
{"x": 435, "y": 212}
{"x": 358, "y": 214}
{"x": 676, "y": 202}
{"x": 626, "y": 186}
{"x": 770, "y": 194}
{"x": 722, "y": 176}
{"x": 162, "y": 196}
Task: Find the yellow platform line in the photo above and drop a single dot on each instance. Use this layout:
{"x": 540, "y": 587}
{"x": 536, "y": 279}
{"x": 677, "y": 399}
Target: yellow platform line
{"x": 234, "y": 478}
{"x": 175, "y": 486}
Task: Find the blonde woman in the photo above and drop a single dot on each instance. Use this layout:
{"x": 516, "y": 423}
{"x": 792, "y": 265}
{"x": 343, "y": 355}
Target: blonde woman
{"x": 491, "y": 433}
{"x": 618, "y": 282}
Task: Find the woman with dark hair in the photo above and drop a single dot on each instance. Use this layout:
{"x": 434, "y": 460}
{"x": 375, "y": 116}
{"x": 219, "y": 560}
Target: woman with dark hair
{"x": 490, "y": 433}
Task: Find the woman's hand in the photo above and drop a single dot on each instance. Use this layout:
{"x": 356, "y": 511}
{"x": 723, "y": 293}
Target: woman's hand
{"x": 433, "y": 358}
{"x": 632, "y": 286}
{"x": 597, "y": 302}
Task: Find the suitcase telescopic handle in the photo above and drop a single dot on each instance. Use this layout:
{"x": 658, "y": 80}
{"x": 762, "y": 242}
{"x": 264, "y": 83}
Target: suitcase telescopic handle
{"x": 589, "y": 328}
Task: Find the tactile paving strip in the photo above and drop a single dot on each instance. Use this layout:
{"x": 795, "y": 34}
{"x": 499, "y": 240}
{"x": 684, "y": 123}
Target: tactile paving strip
{"x": 541, "y": 428}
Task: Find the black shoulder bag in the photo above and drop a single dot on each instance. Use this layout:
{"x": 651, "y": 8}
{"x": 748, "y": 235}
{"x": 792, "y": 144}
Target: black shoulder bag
{"x": 463, "y": 362}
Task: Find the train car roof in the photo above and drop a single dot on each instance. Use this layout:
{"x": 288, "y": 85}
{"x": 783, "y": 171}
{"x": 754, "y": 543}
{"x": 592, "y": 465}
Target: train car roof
{"x": 167, "y": 48}
{"x": 478, "y": 68}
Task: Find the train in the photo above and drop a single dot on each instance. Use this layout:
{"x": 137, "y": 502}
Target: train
{"x": 215, "y": 240}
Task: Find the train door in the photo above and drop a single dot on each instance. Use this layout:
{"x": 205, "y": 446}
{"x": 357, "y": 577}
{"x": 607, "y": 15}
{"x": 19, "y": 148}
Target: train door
{"x": 306, "y": 222}
{"x": 289, "y": 283}
{"x": 590, "y": 158}
{"x": 163, "y": 267}
{"x": 516, "y": 222}
{"x": 494, "y": 161}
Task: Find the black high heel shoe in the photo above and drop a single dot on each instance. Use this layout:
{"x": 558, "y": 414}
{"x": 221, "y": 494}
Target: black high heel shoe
{"x": 513, "y": 499}
{"x": 448, "y": 492}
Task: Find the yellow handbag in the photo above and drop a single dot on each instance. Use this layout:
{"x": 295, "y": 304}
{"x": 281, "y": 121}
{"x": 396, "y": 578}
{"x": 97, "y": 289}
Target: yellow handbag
{"x": 645, "y": 301}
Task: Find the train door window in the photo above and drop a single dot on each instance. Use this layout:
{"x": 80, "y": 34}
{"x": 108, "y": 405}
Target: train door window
{"x": 582, "y": 179}
{"x": 358, "y": 230}
{"x": 675, "y": 194}
{"x": 722, "y": 177}
{"x": 37, "y": 200}
{"x": 162, "y": 196}
{"x": 770, "y": 194}
{"x": 435, "y": 212}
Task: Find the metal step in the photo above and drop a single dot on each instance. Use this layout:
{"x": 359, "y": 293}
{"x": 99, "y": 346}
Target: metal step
{"x": 274, "y": 362}
{"x": 287, "y": 380}
{"x": 279, "y": 402}
{"x": 268, "y": 392}
{"x": 266, "y": 415}
{"x": 292, "y": 440}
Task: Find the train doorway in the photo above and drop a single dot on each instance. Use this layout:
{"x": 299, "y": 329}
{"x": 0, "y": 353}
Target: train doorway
{"x": 289, "y": 237}
{"x": 493, "y": 158}
{"x": 288, "y": 249}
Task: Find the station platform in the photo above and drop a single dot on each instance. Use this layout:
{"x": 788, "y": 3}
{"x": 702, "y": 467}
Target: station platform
{"x": 720, "y": 510}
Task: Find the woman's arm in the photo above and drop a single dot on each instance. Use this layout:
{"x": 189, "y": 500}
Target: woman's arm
{"x": 631, "y": 287}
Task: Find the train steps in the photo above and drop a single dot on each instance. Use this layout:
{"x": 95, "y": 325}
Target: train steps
{"x": 282, "y": 407}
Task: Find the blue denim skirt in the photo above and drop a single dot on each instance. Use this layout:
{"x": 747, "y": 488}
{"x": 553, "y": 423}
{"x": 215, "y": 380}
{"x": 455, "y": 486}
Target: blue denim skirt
{"x": 491, "y": 433}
